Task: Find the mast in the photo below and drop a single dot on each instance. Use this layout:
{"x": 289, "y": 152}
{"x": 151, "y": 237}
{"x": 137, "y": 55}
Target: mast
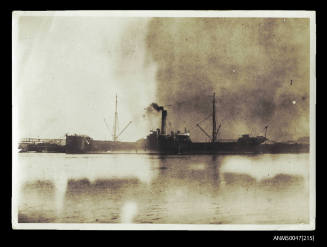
{"x": 115, "y": 123}
{"x": 214, "y": 132}
{"x": 266, "y": 133}
{"x": 266, "y": 130}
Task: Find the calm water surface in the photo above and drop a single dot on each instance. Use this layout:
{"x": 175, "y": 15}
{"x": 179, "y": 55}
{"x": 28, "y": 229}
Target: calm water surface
{"x": 140, "y": 188}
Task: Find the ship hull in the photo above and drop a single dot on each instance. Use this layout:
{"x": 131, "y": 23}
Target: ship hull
{"x": 230, "y": 148}
{"x": 76, "y": 144}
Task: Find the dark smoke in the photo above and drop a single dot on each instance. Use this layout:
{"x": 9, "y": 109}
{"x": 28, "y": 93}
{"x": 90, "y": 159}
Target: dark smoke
{"x": 151, "y": 114}
{"x": 157, "y": 107}
{"x": 248, "y": 63}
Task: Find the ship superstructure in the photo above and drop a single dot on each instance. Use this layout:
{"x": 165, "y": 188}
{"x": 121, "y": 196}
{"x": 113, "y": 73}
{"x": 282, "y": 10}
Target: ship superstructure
{"x": 159, "y": 140}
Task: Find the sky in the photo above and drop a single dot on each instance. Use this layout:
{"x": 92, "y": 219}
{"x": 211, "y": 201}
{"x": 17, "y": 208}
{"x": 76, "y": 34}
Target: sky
{"x": 69, "y": 69}
{"x": 258, "y": 68}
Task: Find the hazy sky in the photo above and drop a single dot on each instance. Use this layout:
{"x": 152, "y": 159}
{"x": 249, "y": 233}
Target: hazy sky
{"x": 68, "y": 70}
{"x": 258, "y": 68}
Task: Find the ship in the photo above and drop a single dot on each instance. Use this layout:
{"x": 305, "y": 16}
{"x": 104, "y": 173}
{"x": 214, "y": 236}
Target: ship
{"x": 158, "y": 141}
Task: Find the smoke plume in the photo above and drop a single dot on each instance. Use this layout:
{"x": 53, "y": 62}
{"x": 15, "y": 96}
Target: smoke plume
{"x": 258, "y": 68}
{"x": 157, "y": 107}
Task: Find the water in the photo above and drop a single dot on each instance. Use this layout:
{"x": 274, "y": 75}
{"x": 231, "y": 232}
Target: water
{"x": 187, "y": 189}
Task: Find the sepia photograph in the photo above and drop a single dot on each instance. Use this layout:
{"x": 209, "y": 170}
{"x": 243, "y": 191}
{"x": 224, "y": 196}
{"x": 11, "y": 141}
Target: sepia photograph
{"x": 163, "y": 120}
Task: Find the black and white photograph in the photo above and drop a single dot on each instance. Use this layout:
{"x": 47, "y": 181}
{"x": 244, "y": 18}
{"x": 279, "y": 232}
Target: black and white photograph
{"x": 163, "y": 120}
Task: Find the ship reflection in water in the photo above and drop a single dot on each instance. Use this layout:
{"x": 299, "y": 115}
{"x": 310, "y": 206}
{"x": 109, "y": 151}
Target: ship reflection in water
{"x": 136, "y": 188}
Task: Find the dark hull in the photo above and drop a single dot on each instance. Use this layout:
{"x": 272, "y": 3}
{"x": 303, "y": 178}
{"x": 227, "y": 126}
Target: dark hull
{"x": 230, "y": 148}
{"x": 82, "y": 145}
{"x": 77, "y": 144}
